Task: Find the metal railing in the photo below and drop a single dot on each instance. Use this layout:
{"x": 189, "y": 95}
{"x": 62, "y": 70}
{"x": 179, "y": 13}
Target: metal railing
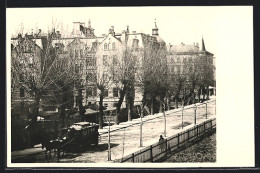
{"x": 161, "y": 149}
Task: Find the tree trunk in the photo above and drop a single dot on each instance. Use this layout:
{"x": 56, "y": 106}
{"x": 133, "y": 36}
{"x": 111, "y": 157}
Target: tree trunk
{"x": 199, "y": 93}
{"x": 119, "y": 104}
{"x": 131, "y": 107}
{"x": 168, "y": 103}
{"x": 63, "y": 106}
{"x": 152, "y": 112}
{"x": 81, "y": 109}
{"x": 101, "y": 96}
{"x": 207, "y": 93}
{"x": 176, "y": 102}
{"x": 34, "y": 119}
{"x": 62, "y": 115}
{"x": 161, "y": 107}
{"x": 128, "y": 110}
{"x": 142, "y": 111}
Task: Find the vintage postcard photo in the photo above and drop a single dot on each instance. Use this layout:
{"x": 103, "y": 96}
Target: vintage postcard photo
{"x": 139, "y": 86}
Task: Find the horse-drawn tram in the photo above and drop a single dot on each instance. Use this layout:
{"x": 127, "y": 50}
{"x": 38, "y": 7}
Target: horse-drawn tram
{"x": 81, "y": 134}
{"x": 76, "y": 138}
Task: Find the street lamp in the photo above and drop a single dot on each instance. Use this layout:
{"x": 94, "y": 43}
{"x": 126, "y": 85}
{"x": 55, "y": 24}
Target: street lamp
{"x": 141, "y": 124}
{"x": 206, "y": 111}
{"x": 164, "y": 120}
{"x": 195, "y": 108}
{"x": 182, "y": 114}
{"x": 109, "y": 147}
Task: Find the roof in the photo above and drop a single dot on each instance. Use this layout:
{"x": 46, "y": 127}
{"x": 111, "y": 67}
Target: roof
{"x": 182, "y": 48}
{"x": 159, "y": 39}
{"x": 82, "y": 125}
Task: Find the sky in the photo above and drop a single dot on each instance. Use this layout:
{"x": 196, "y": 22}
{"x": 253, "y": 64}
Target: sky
{"x": 176, "y": 24}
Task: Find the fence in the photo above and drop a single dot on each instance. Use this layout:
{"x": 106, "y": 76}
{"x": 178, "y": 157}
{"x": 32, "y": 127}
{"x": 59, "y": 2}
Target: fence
{"x": 161, "y": 149}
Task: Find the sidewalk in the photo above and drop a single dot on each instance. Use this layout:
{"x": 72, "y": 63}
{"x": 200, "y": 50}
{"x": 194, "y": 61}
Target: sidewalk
{"x": 26, "y": 152}
{"x": 147, "y": 118}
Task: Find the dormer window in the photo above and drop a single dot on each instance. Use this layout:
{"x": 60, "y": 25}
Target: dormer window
{"x": 105, "y": 46}
{"x": 135, "y": 43}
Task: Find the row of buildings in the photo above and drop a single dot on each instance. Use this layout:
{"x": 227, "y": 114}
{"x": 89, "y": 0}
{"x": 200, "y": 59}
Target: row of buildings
{"x": 98, "y": 58}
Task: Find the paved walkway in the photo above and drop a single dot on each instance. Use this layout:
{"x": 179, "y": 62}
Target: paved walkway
{"x": 147, "y": 118}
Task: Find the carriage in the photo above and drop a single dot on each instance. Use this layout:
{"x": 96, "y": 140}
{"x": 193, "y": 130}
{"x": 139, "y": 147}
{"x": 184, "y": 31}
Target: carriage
{"x": 80, "y": 135}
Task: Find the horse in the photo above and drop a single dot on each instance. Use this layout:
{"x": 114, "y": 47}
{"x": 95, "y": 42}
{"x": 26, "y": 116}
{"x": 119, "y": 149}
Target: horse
{"x": 51, "y": 145}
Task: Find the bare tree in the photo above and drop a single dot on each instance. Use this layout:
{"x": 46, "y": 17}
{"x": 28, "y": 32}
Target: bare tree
{"x": 124, "y": 69}
{"x": 36, "y": 69}
{"x": 103, "y": 83}
{"x": 153, "y": 75}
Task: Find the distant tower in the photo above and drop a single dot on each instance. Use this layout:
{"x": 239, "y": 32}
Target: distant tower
{"x": 89, "y": 23}
{"x": 155, "y": 29}
{"x": 203, "y": 45}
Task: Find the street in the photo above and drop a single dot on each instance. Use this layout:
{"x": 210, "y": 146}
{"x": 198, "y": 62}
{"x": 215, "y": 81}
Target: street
{"x": 126, "y": 140}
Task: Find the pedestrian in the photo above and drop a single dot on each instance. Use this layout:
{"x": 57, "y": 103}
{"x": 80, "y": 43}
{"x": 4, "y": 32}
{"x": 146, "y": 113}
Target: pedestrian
{"x": 161, "y": 143}
{"x": 161, "y": 138}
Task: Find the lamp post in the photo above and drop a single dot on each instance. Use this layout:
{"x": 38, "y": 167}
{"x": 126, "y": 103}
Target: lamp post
{"x": 109, "y": 147}
{"x": 182, "y": 114}
{"x": 141, "y": 124}
{"x": 195, "y": 108}
{"x": 206, "y": 111}
{"x": 164, "y": 120}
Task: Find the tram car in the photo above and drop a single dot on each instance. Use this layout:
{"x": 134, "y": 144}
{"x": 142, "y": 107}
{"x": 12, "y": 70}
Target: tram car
{"x": 80, "y": 135}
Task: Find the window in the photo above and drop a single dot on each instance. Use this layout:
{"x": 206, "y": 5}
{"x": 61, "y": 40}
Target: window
{"x": 21, "y": 62}
{"x": 105, "y": 46}
{"x": 21, "y": 92}
{"x": 135, "y": 43}
{"x": 178, "y": 59}
{"x": 113, "y": 46}
{"x": 76, "y": 68}
{"x": 90, "y": 61}
{"x": 31, "y": 61}
{"x": 76, "y": 54}
{"x": 115, "y": 75}
{"x": 90, "y": 77}
{"x": 21, "y": 78}
{"x": 81, "y": 53}
{"x": 106, "y": 93}
{"x": 105, "y": 76}
{"x": 105, "y": 60}
{"x": 190, "y": 59}
{"x": 115, "y": 60}
{"x": 115, "y": 92}
{"x": 184, "y": 59}
{"x": 190, "y": 69}
{"x": 94, "y": 91}
{"x": 81, "y": 68}
{"x": 89, "y": 92}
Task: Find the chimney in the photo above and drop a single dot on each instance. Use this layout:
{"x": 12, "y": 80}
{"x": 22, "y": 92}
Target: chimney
{"x": 127, "y": 29}
{"x": 123, "y": 37}
{"x": 111, "y": 31}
